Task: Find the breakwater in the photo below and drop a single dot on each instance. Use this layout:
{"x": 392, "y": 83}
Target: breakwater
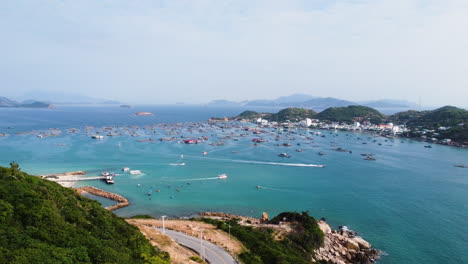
{"x": 123, "y": 202}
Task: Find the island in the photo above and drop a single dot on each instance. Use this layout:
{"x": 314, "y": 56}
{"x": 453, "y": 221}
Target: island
{"x": 5, "y": 102}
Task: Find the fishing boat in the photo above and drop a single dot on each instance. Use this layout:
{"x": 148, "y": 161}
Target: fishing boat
{"x": 109, "y": 180}
{"x": 135, "y": 172}
{"x": 222, "y": 176}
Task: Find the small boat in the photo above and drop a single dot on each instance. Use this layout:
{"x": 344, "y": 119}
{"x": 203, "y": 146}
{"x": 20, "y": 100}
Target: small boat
{"x": 461, "y": 166}
{"x": 222, "y": 176}
{"x": 97, "y": 137}
{"x": 299, "y": 150}
{"x": 284, "y": 155}
{"x": 105, "y": 173}
{"x": 204, "y": 153}
{"x": 259, "y": 187}
{"x": 109, "y": 180}
{"x": 322, "y": 153}
{"x": 149, "y": 192}
{"x": 135, "y": 172}
{"x": 369, "y": 158}
{"x": 126, "y": 169}
{"x": 428, "y": 146}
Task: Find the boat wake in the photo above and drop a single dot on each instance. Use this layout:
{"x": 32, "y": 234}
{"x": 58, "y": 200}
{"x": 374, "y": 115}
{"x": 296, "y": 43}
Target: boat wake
{"x": 177, "y": 164}
{"x": 276, "y": 189}
{"x": 199, "y": 179}
{"x": 269, "y": 163}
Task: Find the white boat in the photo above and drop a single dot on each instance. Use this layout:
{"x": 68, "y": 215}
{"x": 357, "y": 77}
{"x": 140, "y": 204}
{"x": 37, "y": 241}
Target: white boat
{"x": 222, "y": 176}
{"x": 97, "y": 137}
{"x": 135, "y": 172}
{"x": 126, "y": 169}
{"x": 105, "y": 173}
{"x": 109, "y": 180}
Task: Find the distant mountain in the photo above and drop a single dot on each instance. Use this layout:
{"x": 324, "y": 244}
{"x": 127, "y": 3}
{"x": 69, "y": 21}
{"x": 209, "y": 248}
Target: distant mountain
{"x": 223, "y": 103}
{"x": 322, "y": 103}
{"x": 319, "y": 103}
{"x": 389, "y": 103}
{"x": 66, "y": 98}
{"x": 5, "y": 102}
{"x": 301, "y": 100}
{"x": 294, "y": 98}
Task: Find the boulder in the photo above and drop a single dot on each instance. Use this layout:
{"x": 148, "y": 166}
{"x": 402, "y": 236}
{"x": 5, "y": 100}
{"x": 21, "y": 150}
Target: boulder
{"x": 326, "y": 229}
{"x": 351, "y": 244}
{"x": 264, "y": 218}
{"x": 362, "y": 243}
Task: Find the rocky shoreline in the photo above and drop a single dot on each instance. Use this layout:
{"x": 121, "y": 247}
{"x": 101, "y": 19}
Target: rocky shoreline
{"x": 344, "y": 247}
{"x": 340, "y": 246}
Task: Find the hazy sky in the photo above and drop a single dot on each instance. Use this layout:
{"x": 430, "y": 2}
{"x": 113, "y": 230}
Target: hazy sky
{"x": 152, "y": 51}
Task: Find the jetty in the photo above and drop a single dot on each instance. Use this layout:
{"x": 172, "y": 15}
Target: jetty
{"x": 123, "y": 202}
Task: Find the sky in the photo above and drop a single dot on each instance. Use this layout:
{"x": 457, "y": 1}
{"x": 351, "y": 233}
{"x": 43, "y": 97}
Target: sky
{"x": 195, "y": 51}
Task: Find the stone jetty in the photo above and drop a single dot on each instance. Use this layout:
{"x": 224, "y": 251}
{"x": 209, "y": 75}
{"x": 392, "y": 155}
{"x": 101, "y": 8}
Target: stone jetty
{"x": 98, "y": 192}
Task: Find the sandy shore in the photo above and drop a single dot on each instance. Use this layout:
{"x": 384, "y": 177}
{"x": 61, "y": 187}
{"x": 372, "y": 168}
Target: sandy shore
{"x": 68, "y": 181}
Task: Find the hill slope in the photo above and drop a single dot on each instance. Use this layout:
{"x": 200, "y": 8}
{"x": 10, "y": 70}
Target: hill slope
{"x": 42, "y": 222}
{"x": 291, "y": 114}
{"x": 349, "y": 113}
{"x": 444, "y": 116}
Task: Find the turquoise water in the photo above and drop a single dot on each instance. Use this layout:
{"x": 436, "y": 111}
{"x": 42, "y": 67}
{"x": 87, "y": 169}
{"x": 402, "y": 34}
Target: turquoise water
{"x": 411, "y": 202}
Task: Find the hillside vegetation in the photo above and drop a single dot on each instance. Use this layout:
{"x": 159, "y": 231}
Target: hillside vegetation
{"x": 444, "y": 116}
{"x": 42, "y": 222}
{"x": 291, "y": 114}
{"x": 297, "y": 247}
{"x": 350, "y": 113}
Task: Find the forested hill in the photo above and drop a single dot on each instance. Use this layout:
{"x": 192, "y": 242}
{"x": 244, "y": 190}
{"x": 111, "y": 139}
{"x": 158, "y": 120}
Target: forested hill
{"x": 43, "y": 222}
{"x": 349, "y": 113}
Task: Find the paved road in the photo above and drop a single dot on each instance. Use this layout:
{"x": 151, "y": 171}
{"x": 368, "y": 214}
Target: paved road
{"x": 213, "y": 253}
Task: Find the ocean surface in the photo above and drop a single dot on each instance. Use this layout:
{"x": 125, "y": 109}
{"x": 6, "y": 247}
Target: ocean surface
{"x": 411, "y": 202}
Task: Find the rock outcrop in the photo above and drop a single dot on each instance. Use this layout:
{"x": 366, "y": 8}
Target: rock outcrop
{"x": 344, "y": 247}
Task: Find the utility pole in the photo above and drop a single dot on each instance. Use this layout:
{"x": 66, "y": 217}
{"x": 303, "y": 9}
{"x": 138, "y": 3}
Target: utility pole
{"x": 164, "y": 226}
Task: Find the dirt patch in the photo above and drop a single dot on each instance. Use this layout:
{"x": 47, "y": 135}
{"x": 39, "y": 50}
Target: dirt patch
{"x": 192, "y": 228}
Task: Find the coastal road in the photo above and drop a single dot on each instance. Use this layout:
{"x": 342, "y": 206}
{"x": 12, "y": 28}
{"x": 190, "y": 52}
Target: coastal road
{"x": 213, "y": 254}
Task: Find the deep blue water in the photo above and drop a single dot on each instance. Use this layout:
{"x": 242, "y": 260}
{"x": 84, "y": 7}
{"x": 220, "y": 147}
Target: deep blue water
{"x": 411, "y": 202}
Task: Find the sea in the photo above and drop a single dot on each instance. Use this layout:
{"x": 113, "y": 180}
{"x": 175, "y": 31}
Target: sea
{"x": 411, "y": 202}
